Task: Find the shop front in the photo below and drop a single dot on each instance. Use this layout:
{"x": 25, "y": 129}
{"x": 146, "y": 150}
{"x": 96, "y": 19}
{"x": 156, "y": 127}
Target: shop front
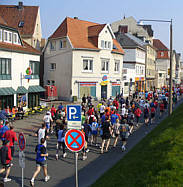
{"x": 115, "y": 89}
{"x": 7, "y": 97}
{"x": 34, "y": 95}
{"x": 21, "y": 96}
{"x": 140, "y": 84}
{"x": 104, "y": 84}
{"x": 87, "y": 88}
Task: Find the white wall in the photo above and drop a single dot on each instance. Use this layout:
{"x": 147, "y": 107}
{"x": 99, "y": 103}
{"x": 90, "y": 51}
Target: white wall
{"x": 97, "y": 74}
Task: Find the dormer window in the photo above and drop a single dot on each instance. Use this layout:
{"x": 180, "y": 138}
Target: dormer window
{"x": 102, "y": 43}
{"x": 114, "y": 47}
{"x": 15, "y": 38}
{"x": 21, "y": 24}
{"x": 10, "y": 36}
{"x": 105, "y": 44}
{"x": 52, "y": 45}
{"x": 5, "y": 36}
{"x": 61, "y": 44}
{"x": 0, "y": 35}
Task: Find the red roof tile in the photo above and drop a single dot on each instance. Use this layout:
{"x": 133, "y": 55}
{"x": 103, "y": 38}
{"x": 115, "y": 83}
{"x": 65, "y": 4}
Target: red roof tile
{"x": 12, "y": 16}
{"x": 2, "y": 22}
{"x": 159, "y": 45}
{"x": 26, "y": 48}
{"x": 83, "y": 34}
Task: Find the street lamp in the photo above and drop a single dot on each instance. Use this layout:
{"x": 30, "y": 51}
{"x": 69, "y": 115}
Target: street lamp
{"x": 171, "y": 53}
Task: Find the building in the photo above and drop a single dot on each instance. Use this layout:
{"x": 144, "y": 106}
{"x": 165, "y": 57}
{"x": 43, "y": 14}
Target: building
{"x": 178, "y": 68}
{"x": 163, "y": 60}
{"x": 145, "y": 33}
{"x": 19, "y": 69}
{"x": 26, "y": 19}
{"x": 83, "y": 57}
{"x": 134, "y": 62}
{"x": 130, "y": 25}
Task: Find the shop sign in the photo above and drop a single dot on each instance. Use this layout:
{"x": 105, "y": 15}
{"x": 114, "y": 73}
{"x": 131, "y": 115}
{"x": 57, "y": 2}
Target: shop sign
{"x": 104, "y": 80}
{"x": 28, "y": 74}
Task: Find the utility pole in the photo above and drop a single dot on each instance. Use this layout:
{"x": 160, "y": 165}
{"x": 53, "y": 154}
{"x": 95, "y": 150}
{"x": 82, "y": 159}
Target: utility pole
{"x": 170, "y": 78}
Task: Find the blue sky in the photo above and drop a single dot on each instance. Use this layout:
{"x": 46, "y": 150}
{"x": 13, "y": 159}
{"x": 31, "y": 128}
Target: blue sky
{"x": 53, "y": 13}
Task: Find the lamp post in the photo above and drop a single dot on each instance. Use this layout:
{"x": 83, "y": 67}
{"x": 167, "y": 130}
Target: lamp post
{"x": 171, "y": 53}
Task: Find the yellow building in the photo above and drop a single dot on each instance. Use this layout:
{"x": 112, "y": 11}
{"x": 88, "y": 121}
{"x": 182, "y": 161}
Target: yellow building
{"x": 150, "y": 67}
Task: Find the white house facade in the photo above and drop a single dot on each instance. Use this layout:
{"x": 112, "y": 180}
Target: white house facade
{"x": 16, "y": 57}
{"x": 84, "y": 60}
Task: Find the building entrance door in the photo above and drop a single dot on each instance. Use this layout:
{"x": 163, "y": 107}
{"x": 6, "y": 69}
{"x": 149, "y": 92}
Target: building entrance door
{"x": 104, "y": 92}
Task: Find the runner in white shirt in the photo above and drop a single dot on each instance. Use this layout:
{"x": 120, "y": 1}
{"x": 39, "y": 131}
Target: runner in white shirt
{"x": 41, "y": 133}
{"x": 102, "y": 109}
{"x": 47, "y": 120}
{"x": 123, "y": 111}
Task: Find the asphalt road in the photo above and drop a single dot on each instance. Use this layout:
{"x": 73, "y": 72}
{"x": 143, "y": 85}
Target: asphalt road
{"x": 62, "y": 172}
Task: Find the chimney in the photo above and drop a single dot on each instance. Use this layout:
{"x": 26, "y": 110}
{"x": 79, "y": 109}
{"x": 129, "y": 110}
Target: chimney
{"x": 75, "y": 17}
{"x": 20, "y": 5}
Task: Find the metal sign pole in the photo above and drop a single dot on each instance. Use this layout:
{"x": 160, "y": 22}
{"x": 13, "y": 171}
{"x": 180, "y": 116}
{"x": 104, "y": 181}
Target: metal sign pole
{"x": 76, "y": 167}
{"x": 22, "y": 177}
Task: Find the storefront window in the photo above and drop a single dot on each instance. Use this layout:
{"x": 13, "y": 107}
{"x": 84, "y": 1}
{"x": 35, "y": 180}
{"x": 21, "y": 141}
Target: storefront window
{"x": 21, "y": 100}
{"x": 34, "y": 65}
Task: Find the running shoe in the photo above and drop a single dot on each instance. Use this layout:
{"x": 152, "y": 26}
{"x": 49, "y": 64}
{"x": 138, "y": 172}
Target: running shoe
{"x": 47, "y": 178}
{"x": 64, "y": 155}
{"x": 7, "y": 179}
{"x": 32, "y": 182}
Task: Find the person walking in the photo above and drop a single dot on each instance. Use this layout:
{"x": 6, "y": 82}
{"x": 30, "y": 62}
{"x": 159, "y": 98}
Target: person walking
{"x": 10, "y": 135}
{"x": 106, "y": 128}
{"x": 137, "y": 113}
{"x": 124, "y": 133}
{"x": 61, "y": 141}
{"x": 41, "y": 155}
{"x": 6, "y": 158}
{"x": 146, "y": 115}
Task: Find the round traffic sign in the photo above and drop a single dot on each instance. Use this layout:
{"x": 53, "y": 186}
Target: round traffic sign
{"x": 21, "y": 141}
{"x": 74, "y": 140}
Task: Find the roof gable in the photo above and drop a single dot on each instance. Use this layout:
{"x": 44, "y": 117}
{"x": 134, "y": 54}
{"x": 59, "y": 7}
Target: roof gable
{"x": 159, "y": 45}
{"x": 12, "y": 16}
{"x": 82, "y": 34}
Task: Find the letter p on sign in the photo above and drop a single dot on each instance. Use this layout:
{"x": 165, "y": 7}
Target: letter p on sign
{"x": 72, "y": 111}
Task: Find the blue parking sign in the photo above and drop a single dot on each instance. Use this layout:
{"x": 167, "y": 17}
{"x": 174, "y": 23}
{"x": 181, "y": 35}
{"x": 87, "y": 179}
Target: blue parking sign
{"x": 74, "y": 116}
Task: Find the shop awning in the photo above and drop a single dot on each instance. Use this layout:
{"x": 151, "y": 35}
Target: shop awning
{"x": 22, "y": 90}
{"x": 7, "y": 91}
{"x": 33, "y": 89}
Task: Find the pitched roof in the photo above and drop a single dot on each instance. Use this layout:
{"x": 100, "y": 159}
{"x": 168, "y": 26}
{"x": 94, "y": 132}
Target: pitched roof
{"x": 159, "y": 45}
{"x": 82, "y": 34}
{"x": 26, "y": 48}
{"x": 2, "y": 21}
{"x": 128, "y": 40}
{"x": 12, "y": 16}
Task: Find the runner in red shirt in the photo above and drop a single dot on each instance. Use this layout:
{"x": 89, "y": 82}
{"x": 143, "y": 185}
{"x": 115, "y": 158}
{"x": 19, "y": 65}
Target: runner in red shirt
{"x": 153, "y": 111}
{"x": 162, "y": 107}
{"x": 10, "y": 135}
{"x": 138, "y": 113}
{"x": 6, "y": 160}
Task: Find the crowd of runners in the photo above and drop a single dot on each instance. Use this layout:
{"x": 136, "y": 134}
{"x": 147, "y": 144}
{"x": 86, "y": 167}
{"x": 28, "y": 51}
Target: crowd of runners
{"x": 114, "y": 118}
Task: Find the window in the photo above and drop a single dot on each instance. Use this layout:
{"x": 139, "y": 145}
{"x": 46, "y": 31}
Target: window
{"x": 102, "y": 43}
{"x": 124, "y": 71}
{"x": 105, "y": 44}
{"x": 64, "y": 44}
{"x": 52, "y": 45}
{"x": 21, "y": 24}
{"x": 61, "y": 44}
{"x": 5, "y": 68}
{"x": 116, "y": 66}
{"x": 34, "y": 65}
{"x": 105, "y": 66}
{"x": 10, "y": 36}
{"x": 48, "y": 82}
{"x": 88, "y": 65}
{"x": 5, "y": 36}
{"x": 53, "y": 83}
{"x": 15, "y": 38}
{"x": 162, "y": 54}
{"x": 109, "y": 45}
{"x": 0, "y": 35}
{"x": 126, "y": 83}
{"x": 53, "y": 66}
